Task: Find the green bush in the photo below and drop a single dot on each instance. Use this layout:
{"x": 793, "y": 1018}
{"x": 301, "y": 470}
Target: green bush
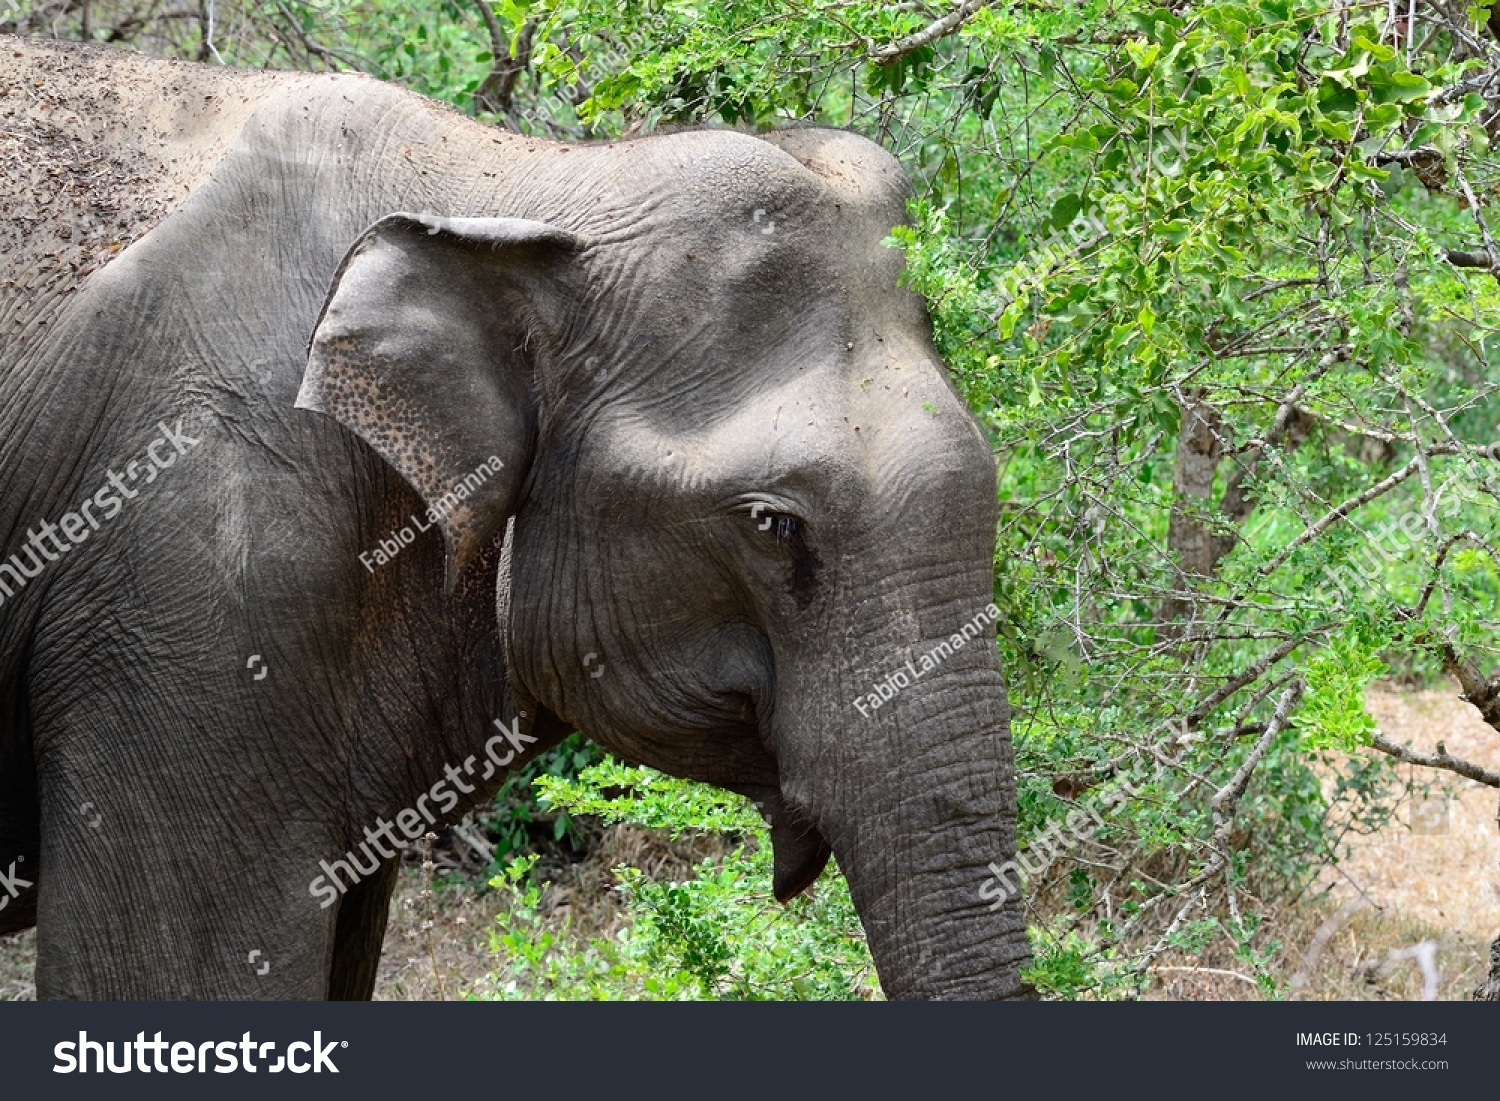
{"x": 717, "y": 936}
{"x": 515, "y": 823}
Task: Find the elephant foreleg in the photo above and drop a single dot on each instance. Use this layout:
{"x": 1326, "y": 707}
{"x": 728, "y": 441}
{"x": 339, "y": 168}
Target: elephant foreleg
{"x": 361, "y": 931}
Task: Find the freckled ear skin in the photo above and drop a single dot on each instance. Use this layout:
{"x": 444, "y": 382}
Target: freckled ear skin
{"x": 425, "y": 350}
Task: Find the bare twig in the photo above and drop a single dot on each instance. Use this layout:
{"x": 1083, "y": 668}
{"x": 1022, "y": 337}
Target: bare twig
{"x": 1206, "y": 706}
{"x": 1207, "y": 971}
{"x": 938, "y": 28}
{"x": 1491, "y": 254}
{"x": 428, "y": 922}
{"x": 1441, "y": 759}
{"x": 483, "y": 848}
{"x": 1339, "y": 513}
{"x": 1476, "y": 260}
{"x": 1230, "y": 793}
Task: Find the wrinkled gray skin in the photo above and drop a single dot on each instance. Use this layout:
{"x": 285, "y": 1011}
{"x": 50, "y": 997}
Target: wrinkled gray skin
{"x": 656, "y": 337}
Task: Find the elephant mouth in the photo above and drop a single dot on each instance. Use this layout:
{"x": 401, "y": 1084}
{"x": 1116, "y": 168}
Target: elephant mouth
{"x": 800, "y": 851}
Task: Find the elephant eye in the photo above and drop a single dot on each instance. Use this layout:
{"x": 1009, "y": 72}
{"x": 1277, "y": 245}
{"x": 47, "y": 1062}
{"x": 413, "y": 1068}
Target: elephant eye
{"x": 780, "y": 527}
{"x": 790, "y": 535}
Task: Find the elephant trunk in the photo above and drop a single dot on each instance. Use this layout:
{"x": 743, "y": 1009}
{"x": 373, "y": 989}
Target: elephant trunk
{"x": 917, "y": 834}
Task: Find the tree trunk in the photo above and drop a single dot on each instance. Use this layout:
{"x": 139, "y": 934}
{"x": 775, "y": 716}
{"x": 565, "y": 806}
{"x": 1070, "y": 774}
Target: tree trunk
{"x": 1197, "y": 548}
{"x": 496, "y": 91}
{"x": 1489, "y": 990}
{"x": 1190, "y": 540}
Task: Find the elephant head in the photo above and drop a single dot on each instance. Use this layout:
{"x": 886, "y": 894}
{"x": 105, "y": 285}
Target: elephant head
{"x": 751, "y": 517}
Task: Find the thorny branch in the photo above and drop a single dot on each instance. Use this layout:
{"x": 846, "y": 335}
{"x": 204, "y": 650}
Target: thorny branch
{"x": 938, "y": 28}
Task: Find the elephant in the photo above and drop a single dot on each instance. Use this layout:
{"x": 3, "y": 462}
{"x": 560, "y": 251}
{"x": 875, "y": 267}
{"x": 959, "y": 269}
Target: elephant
{"x": 353, "y": 452}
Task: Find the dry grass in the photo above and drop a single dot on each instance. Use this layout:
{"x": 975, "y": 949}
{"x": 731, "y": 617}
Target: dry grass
{"x": 1438, "y": 883}
{"x": 1432, "y": 876}
{"x": 581, "y": 897}
{"x": 17, "y": 958}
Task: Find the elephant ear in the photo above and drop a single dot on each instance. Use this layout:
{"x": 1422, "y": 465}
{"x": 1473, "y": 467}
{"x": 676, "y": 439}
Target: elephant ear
{"x": 426, "y": 349}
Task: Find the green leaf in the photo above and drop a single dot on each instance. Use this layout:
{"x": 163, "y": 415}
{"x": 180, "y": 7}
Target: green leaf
{"x": 1332, "y": 712}
{"x": 1337, "y": 129}
{"x": 1360, "y": 169}
{"x": 1378, "y": 119}
{"x": 1175, "y": 230}
{"x": 1398, "y": 87}
{"x": 1144, "y": 54}
{"x": 1336, "y": 96}
{"x": 1064, "y": 210}
{"x": 1378, "y": 51}
{"x": 1081, "y": 139}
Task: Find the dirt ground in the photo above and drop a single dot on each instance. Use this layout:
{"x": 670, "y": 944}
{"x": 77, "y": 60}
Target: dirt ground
{"x": 1408, "y": 914}
{"x": 1428, "y": 885}
{"x": 454, "y": 959}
